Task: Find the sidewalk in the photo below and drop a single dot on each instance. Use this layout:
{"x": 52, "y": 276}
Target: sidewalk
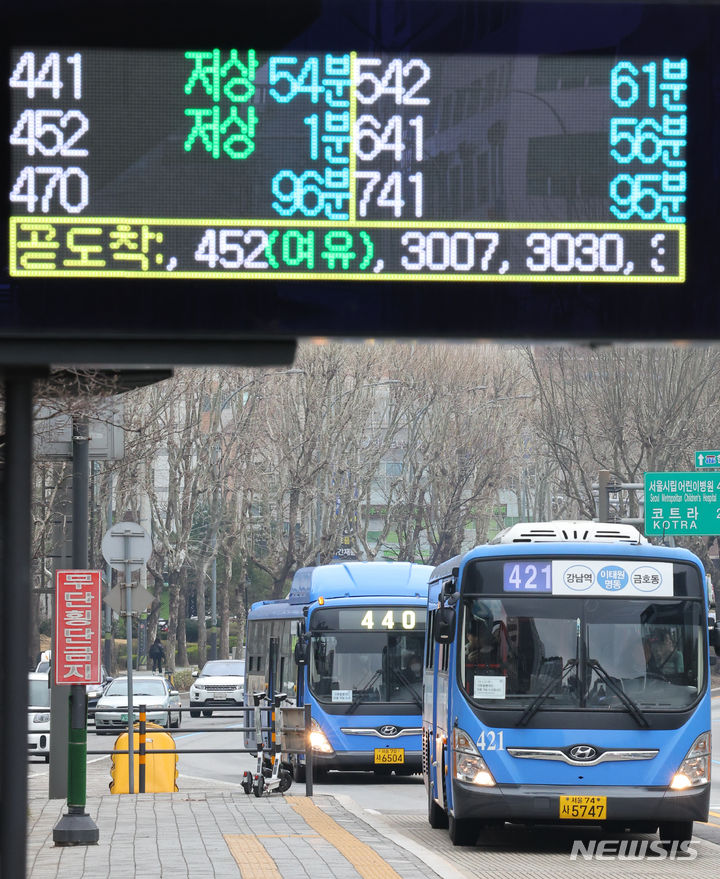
{"x": 211, "y": 829}
{"x": 219, "y": 833}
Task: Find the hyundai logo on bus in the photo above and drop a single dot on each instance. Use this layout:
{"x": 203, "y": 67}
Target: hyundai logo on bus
{"x": 389, "y": 730}
{"x": 583, "y": 752}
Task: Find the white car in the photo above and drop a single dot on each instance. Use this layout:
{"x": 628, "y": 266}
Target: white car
{"x": 94, "y": 691}
{"x": 152, "y": 690}
{"x": 39, "y": 715}
{"x": 221, "y": 682}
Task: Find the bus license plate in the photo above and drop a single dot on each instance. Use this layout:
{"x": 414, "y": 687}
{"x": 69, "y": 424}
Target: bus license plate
{"x": 583, "y": 808}
{"x": 389, "y": 755}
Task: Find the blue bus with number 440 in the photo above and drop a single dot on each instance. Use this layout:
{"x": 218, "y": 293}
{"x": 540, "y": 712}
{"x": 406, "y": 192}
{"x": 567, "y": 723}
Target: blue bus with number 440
{"x": 566, "y": 680}
{"x": 348, "y": 640}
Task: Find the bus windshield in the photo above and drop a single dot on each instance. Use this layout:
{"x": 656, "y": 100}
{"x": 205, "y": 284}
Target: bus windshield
{"x": 582, "y": 653}
{"x": 359, "y": 667}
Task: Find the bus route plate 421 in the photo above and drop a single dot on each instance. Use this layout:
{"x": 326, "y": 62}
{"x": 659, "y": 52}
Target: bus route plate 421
{"x": 389, "y": 755}
{"x": 579, "y": 808}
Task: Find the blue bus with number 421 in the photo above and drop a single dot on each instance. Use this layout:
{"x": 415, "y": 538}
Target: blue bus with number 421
{"x": 566, "y": 680}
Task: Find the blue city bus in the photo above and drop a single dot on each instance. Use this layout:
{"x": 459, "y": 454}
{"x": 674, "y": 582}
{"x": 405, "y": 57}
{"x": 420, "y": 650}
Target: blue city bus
{"x": 567, "y": 680}
{"x": 349, "y": 640}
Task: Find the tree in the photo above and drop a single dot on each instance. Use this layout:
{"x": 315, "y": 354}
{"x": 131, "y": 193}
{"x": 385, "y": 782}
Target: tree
{"x": 624, "y": 409}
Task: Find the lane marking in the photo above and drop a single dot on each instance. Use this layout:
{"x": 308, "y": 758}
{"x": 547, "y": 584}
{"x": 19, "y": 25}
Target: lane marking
{"x": 364, "y": 859}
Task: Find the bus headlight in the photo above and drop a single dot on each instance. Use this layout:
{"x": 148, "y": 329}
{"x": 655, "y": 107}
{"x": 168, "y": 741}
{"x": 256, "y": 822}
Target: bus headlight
{"x": 318, "y": 739}
{"x": 695, "y": 768}
{"x": 468, "y": 765}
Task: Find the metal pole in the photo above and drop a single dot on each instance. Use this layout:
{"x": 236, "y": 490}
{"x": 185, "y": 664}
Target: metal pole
{"x": 308, "y": 752}
{"x": 213, "y": 544}
{"x": 15, "y": 597}
{"x": 141, "y": 758}
{"x": 76, "y": 827}
{"x": 128, "y": 636}
{"x": 77, "y": 740}
{"x": 603, "y": 496}
{"x": 108, "y": 580}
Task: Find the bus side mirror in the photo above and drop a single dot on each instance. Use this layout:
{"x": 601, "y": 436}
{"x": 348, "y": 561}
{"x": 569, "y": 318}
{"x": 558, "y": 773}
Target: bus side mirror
{"x": 445, "y": 625}
{"x": 449, "y": 587}
{"x": 300, "y": 653}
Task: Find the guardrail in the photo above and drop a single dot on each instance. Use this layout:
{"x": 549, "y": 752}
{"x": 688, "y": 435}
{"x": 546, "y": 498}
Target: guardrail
{"x": 283, "y": 738}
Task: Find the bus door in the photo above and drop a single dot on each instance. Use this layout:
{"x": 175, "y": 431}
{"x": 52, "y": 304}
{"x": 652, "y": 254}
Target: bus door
{"x": 299, "y": 653}
{"x": 434, "y": 708}
{"x": 272, "y": 679}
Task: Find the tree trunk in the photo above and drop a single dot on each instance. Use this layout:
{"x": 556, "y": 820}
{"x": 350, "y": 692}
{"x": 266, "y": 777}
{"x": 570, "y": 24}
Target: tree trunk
{"x": 182, "y": 659}
{"x": 202, "y": 631}
{"x": 224, "y": 604}
{"x": 34, "y": 642}
{"x": 174, "y": 587}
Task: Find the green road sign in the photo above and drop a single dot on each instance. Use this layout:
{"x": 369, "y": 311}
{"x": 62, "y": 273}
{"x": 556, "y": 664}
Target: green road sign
{"x": 707, "y": 459}
{"x": 682, "y": 503}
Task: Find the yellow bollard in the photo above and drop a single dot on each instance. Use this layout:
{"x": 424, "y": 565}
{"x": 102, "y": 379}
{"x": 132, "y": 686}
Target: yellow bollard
{"x": 160, "y": 769}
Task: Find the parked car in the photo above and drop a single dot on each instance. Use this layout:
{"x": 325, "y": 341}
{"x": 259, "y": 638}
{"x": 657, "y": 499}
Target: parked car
{"x": 152, "y": 690}
{"x": 95, "y": 691}
{"x": 221, "y": 682}
{"x": 44, "y": 662}
{"x": 39, "y": 714}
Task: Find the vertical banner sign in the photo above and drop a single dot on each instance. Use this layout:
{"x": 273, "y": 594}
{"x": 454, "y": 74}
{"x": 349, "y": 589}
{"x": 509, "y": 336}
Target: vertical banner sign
{"x": 77, "y": 627}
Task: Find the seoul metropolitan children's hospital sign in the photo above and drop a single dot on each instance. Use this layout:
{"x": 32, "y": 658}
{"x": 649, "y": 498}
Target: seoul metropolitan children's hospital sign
{"x": 682, "y": 503}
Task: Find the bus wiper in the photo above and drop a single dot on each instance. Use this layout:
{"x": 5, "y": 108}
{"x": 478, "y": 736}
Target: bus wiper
{"x": 629, "y": 703}
{"x": 533, "y": 707}
{"x": 408, "y": 685}
{"x": 361, "y": 691}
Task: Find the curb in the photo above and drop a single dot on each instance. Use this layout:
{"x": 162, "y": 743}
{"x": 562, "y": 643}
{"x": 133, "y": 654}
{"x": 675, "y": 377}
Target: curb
{"x": 376, "y": 821}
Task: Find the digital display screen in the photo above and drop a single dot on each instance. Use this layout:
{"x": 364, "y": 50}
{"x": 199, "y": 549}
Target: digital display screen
{"x": 369, "y": 619}
{"x": 532, "y": 576}
{"x": 607, "y": 577}
{"x": 242, "y": 163}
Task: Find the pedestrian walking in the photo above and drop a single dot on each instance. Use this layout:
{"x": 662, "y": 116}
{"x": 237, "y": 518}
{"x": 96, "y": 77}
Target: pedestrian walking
{"x": 157, "y": 654}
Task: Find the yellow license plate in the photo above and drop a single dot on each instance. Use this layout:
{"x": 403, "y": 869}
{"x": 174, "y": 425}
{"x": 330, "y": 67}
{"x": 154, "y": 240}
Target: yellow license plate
{"x": 583, "y": 808}
{"x": 389, "y": 755}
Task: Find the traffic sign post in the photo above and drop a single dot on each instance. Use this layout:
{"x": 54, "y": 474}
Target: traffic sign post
{"x": 127, "y": 547}
{"x": 682, "y": 504}
{"x": 707, "y": 459}
{"x": 77, "y": 621}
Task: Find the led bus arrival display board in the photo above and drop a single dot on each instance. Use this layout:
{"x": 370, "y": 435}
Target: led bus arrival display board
{"x": 238, "y": 163}
{"x": 366, "y": 168}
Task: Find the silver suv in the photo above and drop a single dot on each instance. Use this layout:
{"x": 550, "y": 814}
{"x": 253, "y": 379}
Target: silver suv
{"x": 221, "y": 682}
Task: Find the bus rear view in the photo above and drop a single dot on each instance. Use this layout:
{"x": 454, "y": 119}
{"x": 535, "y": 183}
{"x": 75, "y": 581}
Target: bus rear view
{"x": 569, "y": 671}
